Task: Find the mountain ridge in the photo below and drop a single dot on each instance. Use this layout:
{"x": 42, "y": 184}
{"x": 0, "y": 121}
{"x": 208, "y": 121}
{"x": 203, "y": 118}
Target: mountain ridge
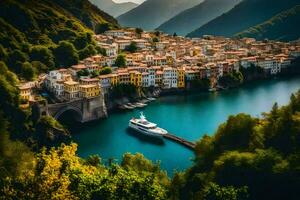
{"x": 113, "y": 8}
{"x": 152, "y": 13}
{"x": 192, "y": 18}
{"x": 246, "y": 14}
{"x": 283, "y": 26}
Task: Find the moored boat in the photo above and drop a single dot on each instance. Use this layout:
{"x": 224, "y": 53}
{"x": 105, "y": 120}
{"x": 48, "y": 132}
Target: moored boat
{"x": 142, "y": 125}
{"x": 140, "y": 105}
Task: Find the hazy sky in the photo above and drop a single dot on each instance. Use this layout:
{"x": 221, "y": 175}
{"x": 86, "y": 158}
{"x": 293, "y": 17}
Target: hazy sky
{"x": 135, "y": 1}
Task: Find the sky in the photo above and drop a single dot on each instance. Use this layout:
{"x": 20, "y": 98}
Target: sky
{"x": 135, "y": 1}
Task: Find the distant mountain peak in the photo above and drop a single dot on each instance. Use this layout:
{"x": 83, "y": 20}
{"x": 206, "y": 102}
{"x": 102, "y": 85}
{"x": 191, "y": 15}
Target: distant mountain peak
{"x": 114, "y": 8}
{"x": 152, "y": 13}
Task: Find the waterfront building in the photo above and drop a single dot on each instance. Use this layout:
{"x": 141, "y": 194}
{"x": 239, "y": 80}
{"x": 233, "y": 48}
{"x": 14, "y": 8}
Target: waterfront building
{"x": 158, "y": 78}
{"x": 151, "y": 77}
{"x": 180, "y": 78}
{"x": 169, "y": 78}
{"x": 146, "y": 80}
{"x": 136, "y": 78}
{"x": 71, "y": 89}
{"x": 88, "y": 91}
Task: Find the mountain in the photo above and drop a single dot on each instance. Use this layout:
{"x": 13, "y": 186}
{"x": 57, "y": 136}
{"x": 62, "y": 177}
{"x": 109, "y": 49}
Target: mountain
{"x": 152, "y": 13}
{"x": 199, "y": 15}
{"x": 284, "y": 26}
{"x": 246, "y": 14}
{"x": 114, "y": 9}
{"x": 31, "y": 30}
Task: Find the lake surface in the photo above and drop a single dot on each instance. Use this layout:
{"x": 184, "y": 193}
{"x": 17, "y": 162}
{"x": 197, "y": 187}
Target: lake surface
{"x": 188, "y": 116}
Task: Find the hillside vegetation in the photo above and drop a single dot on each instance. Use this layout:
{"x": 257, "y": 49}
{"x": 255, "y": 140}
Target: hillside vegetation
{"x": 246, "y": 14}
{"x": 284, "y": 27}
{"x": 36, "y": 31}
{"x": 152, "y": 13}
{"x": 192, "y": 18}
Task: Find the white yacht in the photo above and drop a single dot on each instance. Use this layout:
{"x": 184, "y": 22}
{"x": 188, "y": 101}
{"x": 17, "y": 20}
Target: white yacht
{"x": 147, "y": 128}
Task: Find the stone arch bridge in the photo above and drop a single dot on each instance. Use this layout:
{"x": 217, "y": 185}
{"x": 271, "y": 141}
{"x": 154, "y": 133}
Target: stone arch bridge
{"x": 84, "y": 109}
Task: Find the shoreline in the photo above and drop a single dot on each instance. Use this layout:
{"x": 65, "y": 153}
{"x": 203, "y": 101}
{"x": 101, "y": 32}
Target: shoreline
{"x": 114, "y": 107}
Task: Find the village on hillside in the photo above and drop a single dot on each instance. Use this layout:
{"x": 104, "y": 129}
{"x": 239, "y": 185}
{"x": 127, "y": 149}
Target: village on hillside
{"x": 158, "y": 60}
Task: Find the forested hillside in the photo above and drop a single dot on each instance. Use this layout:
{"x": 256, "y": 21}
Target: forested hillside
{"x": 45, "y": 34}
{"x": 246, "y": 14}
{"x": 284, "y": 27}
{"x": 152, "y": 13}
{"x": 192, "y": 18}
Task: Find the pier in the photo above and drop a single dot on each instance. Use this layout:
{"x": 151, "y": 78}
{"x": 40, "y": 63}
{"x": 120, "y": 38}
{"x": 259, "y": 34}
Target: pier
{"x": 179, "y": 140}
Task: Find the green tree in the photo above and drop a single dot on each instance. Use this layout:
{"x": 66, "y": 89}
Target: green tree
{"x": 101, "y": 28}
{"x": 100, "y": 50}
{"x": 65, "y": 54}
{"x": 15, "y": 60}
{"x": 41, "y": 67}
{"x": 83, "y": 72}
{"x": 42, "y": 54}
{"x": 3, "y": 54}
{"x": 139, "y": 31}
{"x": 28, "y": 71}
{"x": 216, "y": 192}
{"x": 132, "y": 48}
{"x": 87, "y": 52}
{"x": 105, "y": 70}
{"x": 120, "y": 61}
{"x": 155, "y": 39}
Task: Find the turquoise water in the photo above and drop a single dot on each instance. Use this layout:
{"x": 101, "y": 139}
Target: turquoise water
{"x": 189, "y": 117}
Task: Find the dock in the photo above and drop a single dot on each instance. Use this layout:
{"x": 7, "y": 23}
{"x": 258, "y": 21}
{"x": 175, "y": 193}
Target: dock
{"x": 179, "y": 140}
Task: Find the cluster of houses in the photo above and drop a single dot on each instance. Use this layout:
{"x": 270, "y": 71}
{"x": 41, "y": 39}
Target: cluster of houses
{"x": 166, "y": 62}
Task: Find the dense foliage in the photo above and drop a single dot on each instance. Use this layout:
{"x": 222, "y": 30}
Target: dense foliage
{"x": 124, "y": 90}
{"x": 200, "y": 84}
{"x": 120, "y": 61}
{"x": 233, "y": 79}
{"x": 61, "y": 174}
{"x": 54, "y": 33}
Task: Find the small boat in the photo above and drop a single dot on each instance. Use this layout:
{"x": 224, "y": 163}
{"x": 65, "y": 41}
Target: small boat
{"x": 140, "y": 105}
{"x": 130, "y": 105}
{"x": 144, "y": 101}
{"x": 142, "y": 125}
{"x": 151, "y": 99}
{"x": 212, "y": 89}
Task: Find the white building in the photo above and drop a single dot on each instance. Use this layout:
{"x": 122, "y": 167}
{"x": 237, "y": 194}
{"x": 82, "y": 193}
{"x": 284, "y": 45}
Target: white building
{"x": 151, "y": 72}
{"x": 145, "y": 79}
{"x": 270, "y": 66}
{"x": 110, "y": 49}
{"x": 169, "y": 78}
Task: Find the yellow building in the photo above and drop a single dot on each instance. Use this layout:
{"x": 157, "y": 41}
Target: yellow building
{"x": 71, "y": 89}
{"x": 136, "y": 78}
{"x": 114, "y": 79}
{"x": 25, "y": 92}
{"x": 88, "y": 91}
{"x": 180, "y": 78}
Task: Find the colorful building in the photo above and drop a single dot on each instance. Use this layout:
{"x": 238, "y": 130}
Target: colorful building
{"x": 71, "y": 89}
{"x": 88, "y": 91}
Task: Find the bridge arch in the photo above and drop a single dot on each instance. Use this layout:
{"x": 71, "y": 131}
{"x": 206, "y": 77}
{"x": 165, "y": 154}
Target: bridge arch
{"x": 77, "y": 111}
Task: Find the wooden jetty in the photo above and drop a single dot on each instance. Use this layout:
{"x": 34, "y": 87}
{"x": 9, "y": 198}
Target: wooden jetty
{"x": 179, "y": 140}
